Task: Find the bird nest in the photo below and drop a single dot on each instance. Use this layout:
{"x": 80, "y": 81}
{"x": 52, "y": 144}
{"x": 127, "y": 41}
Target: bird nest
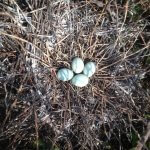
{"x": 39, "y": 37}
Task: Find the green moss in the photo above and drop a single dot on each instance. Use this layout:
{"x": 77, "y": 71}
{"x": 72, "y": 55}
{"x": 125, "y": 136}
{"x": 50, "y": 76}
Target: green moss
{"x": 148, "y": 144}
{"x": 55, "y": 148}
{"x": 40, "y": 143}
{"x": 147, "y": 116}
{"x": 136, "y": 11}
{"x": 134, "y": 139}
{"x": 148, "y": 60}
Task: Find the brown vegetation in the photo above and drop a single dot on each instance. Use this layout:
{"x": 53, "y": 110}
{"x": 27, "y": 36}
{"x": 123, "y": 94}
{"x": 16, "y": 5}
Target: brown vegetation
{"x": 37, "y": 37}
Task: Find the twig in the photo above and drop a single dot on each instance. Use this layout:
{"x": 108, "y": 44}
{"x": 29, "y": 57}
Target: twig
{"x": 144, "y": 139}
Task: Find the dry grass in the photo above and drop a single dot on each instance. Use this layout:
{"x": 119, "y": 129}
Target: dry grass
{"x": 38, "y": 38}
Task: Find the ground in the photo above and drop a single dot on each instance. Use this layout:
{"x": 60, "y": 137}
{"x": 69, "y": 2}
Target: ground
{"x": 38, "y": 111}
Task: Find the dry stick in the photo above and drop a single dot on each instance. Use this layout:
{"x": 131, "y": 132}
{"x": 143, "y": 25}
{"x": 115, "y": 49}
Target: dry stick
{"x": 144, "y": 139}
{"x": 23, "y": 14}
{"x": 36, "y": 129}
{"x": 19, "y": 126}
{"x": 125, "y": 16}
{"x": 9, "y": 112}
{"x": 23, "y": 40}
{"x": 9, "y": 15}
{"x": 147, "y": 46}
{"x": 98, "y": 3}
{"x": 99, "y": 18}
{"x": 136, "y": 39}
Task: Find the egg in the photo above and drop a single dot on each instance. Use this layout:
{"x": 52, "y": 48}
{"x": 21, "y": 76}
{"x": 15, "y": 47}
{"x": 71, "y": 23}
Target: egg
{"x": 65, "y": 74}
{"x": 77, "y": 65}
{"x": 80, "y": 80}
{"x": 89, "y": 69}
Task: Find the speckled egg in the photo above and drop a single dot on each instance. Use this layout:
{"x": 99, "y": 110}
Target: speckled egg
{"x": 89, "y": 69}
{"x": 77, "y": 65}
{"x": 80, "y": 80}
{"x": 65, "y": 74}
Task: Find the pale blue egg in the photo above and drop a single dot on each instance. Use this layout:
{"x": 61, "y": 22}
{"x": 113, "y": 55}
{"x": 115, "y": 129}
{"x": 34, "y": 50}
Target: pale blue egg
{"x": 80, "y": 80}
{"x": 65, "y": 74}
{"x": 89, "y": 69}
{"x": 77, "y": 65}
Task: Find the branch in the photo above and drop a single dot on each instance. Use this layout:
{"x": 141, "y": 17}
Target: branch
{"x": 144, "y": 139}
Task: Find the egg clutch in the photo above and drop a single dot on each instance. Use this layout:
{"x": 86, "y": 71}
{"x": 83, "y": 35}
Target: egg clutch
{"x": 82, "y": 72}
